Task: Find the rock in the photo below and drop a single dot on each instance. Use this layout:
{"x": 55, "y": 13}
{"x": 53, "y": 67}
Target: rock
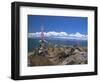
{"x": 58, "y": 56}
{"x": 79, "y": 58}
{"x": 37, "y": 60}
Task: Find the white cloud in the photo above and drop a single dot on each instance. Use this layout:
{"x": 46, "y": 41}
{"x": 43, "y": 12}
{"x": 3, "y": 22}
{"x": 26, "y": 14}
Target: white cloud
{"x": 48, "y": 34}
{"x": 63, "y": 35}
{"x": 55, "y": 34}
{"x": 37, "y": 34}
{"x": 77, "y": 34}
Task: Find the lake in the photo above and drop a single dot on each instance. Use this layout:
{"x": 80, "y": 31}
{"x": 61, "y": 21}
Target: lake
{"x": 34, "y": 42}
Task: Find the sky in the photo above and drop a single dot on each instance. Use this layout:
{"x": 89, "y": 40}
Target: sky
{"x": 58, "y": 26}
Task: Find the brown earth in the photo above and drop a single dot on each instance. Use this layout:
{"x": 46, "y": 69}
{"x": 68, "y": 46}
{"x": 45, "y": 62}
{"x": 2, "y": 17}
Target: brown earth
{"x": 59, "y": 56}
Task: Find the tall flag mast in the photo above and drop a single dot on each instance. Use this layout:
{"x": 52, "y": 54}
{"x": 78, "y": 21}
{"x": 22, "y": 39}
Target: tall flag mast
{"x": 42, "y": 33}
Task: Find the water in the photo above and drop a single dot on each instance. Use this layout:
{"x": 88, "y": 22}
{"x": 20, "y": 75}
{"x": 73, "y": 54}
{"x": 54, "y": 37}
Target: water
{"x": 34, "y": 43}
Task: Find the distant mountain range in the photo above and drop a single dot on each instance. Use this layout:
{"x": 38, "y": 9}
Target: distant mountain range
{"x": 59, "y": 35}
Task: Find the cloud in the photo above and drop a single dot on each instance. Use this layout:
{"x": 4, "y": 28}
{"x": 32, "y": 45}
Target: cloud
{"x": 48, "y": 34}
{"x": 63, "y": 35}
{"x": 55, "y": 34}
{"x": 77, "y": 34}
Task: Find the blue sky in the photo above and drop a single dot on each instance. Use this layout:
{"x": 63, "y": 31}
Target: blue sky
{"x": 57, "y": 23}
{"x": 65, "y": 25}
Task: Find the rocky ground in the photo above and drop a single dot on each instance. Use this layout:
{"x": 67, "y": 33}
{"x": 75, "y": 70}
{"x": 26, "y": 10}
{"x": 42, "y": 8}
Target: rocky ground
{"x": 65, "y": 55}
